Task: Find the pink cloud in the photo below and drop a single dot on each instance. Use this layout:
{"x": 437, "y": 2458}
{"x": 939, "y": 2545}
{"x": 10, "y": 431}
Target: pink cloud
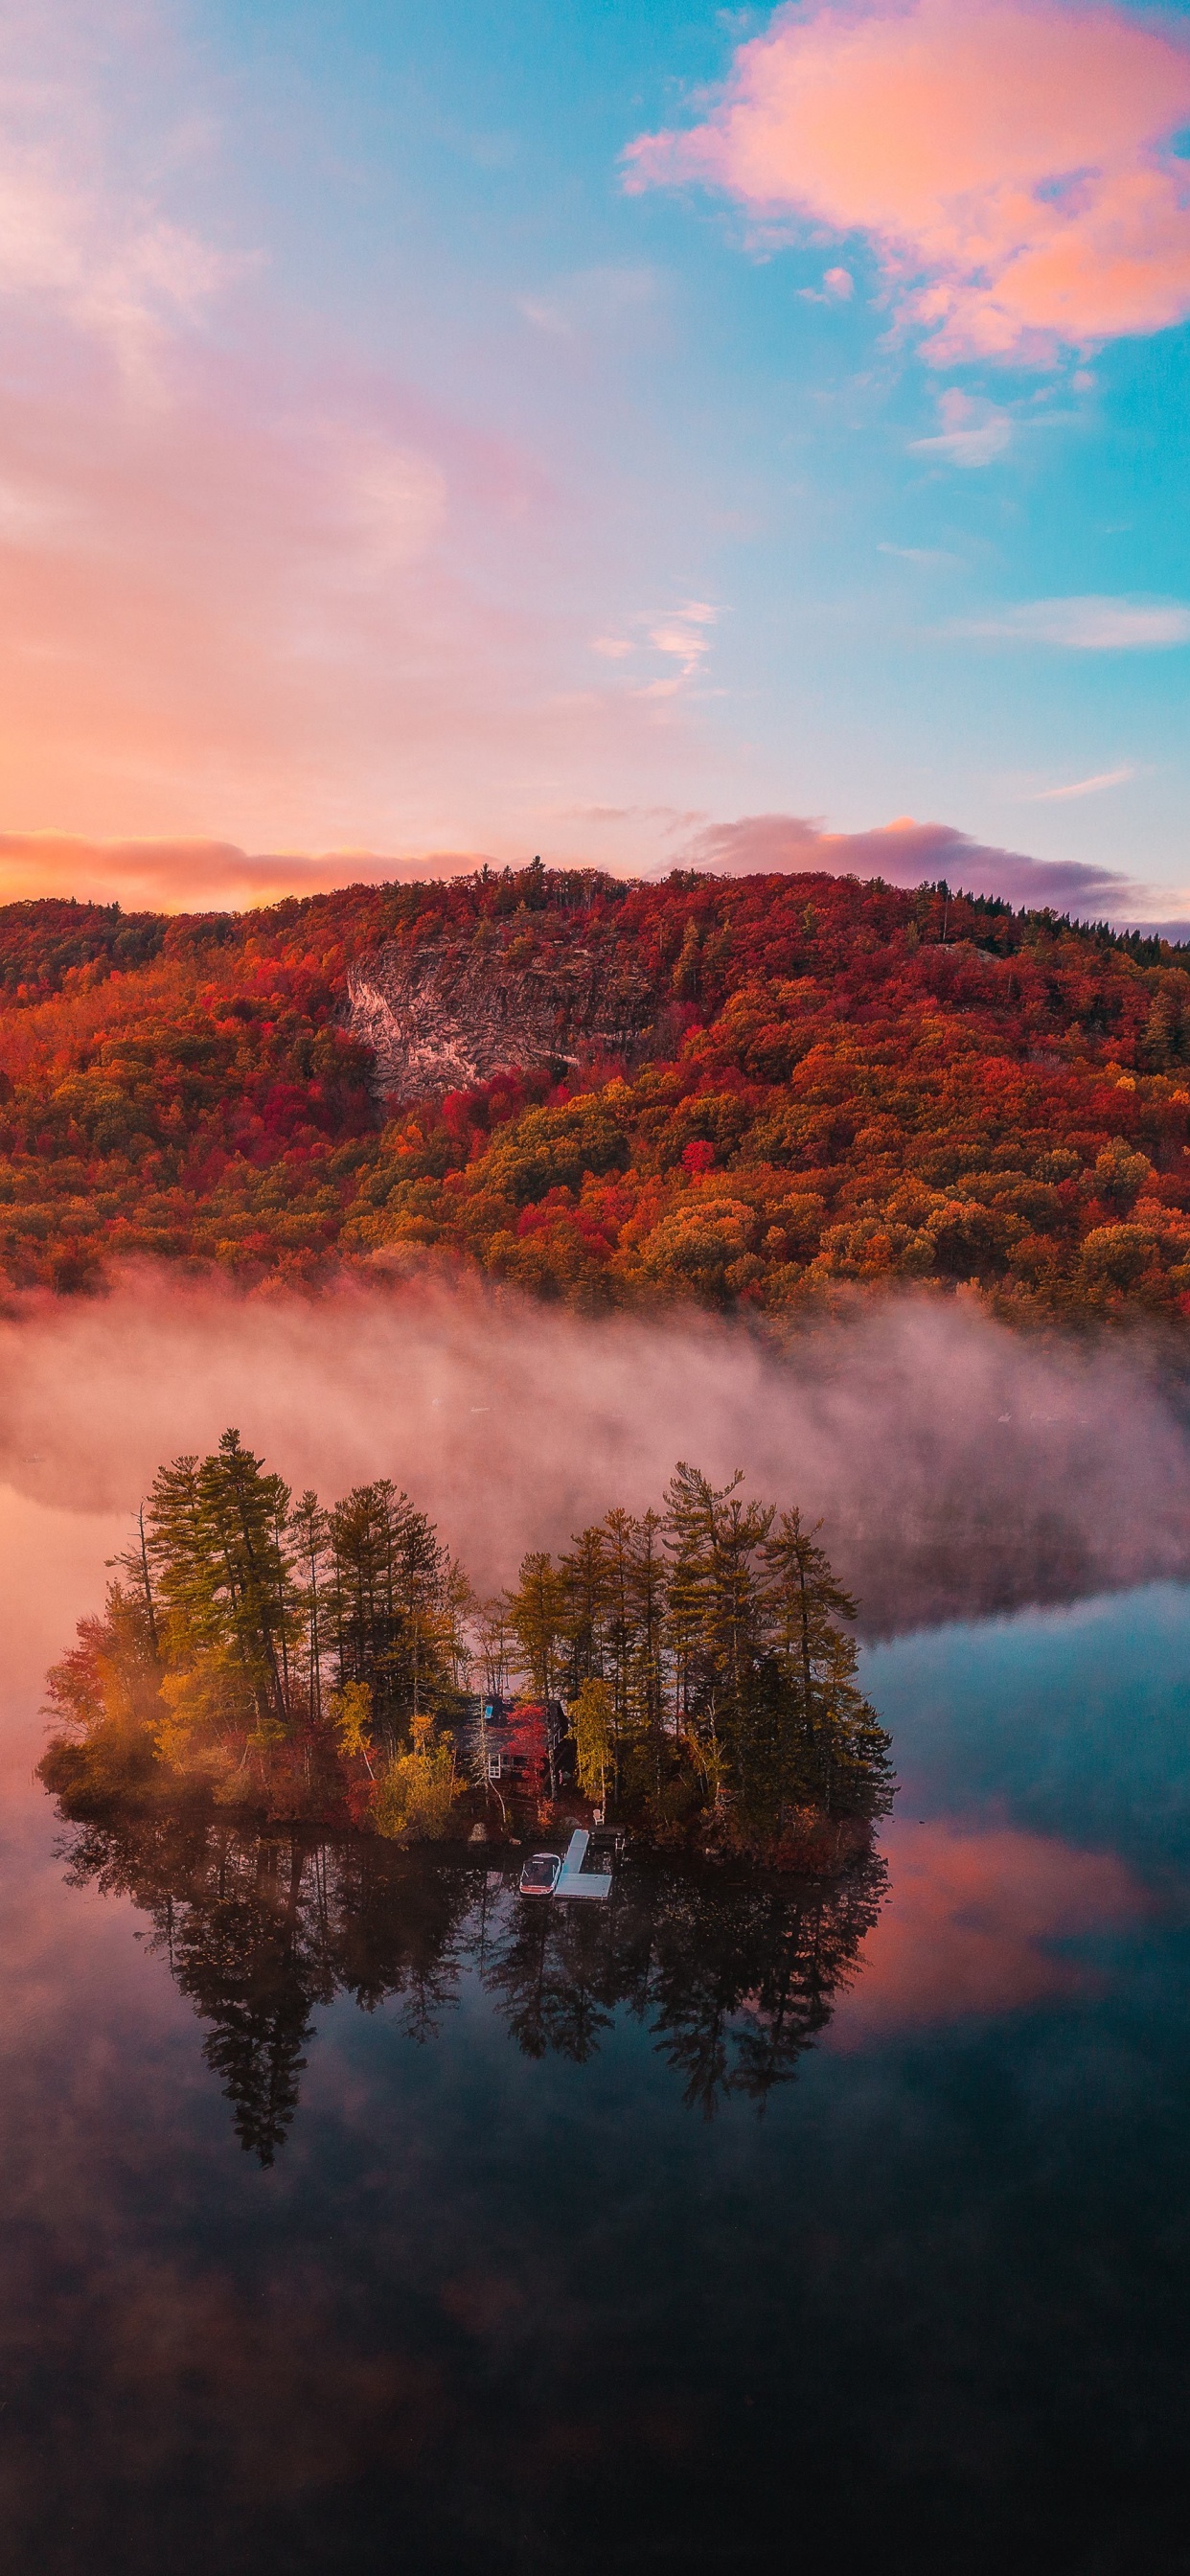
{"x": 258, "y": 590}
{"x": 263, "y": 612}
{"x": 179, "y": 874}
{"x": 94, "y": 248}
{"x": 176, "y": 874}
{"x": 906, "y": 853}
{"x": 1007, "y": 159}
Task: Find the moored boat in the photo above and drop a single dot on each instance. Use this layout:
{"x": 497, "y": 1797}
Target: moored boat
{"x": 539, "y": 1876}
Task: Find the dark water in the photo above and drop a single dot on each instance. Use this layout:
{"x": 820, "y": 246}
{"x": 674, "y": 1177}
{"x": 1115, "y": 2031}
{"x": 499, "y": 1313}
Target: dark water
{"x": 355, "y": 2219}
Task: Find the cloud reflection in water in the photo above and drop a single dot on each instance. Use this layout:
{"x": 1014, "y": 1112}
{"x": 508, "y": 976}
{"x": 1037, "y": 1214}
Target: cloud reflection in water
{"x": 975, "y": 1923}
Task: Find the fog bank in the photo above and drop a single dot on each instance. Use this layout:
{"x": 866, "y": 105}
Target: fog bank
{"x": 957, "y": 1466}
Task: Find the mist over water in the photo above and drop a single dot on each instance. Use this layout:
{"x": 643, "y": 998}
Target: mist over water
{"x": 957, "y": 1466}
{"x": 505, "y": 2270}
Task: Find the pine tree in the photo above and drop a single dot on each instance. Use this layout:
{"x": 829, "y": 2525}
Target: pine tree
{"x": 592, "y": 1717}
{"x": 645, "y": 1675}
{"x": 310, "y": 1534}
{"x": 537, "y": 1613}
{"x": 246, "y": 1512}
{"x": 714, "y": 1616}
{"x": 495, "y": 1644}
{"x": 584, "y": 1577}
{"x": 816, "y": 1659}
{"x": 217, "y": 1546}
{"x": 396, "y": 1606}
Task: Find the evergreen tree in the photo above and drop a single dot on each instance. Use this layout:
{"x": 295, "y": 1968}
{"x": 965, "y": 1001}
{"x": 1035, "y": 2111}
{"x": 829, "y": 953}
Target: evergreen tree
{"x": 537, "y": 1613}
{"x": 396, "y": 1607}
{"x": 816, "y": 1662}
{"x": 496, "y": 1645}
{"x": 592, "y": 1718}
{"x": 584, "y": 1578}
{"x": 217, "y": 1547}
{"x": 310, "y": 1536}
{"x": 644, "y": 1673}
{"x": 246, "y": 1512}
{"x": 715, "y": 1609}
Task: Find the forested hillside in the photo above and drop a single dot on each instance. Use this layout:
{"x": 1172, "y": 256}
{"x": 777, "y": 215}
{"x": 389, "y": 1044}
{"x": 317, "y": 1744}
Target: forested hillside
{"x": 824, "y": 1082}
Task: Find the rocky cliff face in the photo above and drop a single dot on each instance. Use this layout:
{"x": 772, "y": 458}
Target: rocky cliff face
{"x": 441, "y": 1017}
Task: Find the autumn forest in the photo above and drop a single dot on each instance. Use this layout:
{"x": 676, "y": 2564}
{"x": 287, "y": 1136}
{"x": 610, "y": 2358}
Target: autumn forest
{"x": 689, "y": 1669}
{"x": 816, "y": 1086}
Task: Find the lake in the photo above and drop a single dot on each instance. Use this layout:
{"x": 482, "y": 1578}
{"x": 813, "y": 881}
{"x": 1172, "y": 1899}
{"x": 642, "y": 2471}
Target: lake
{"x": 355, "y": 2219}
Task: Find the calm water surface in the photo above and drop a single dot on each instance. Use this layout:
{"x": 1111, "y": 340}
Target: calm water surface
{"x": 354, "y": 2221}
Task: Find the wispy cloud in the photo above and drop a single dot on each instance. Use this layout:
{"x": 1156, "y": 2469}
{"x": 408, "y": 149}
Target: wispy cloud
{"x": 974, "y": 432}
{"x": 105, "y": 259}
{"x": 1088, "y": 625}
{"x": 685, "y": 638}
{"x": 255, "y": 592}
{"x": 1083, "y": 787}
{"x": 680, "y": 636}
{"x": 592, "y": 300}
{"x": 931, "y": 556}
{"x": 1011, "y": 162}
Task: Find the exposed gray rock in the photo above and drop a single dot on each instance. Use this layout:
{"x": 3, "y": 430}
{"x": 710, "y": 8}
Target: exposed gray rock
{"x": 440, "y": 1017}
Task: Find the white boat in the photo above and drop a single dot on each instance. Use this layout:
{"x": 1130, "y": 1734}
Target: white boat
{"x": 539, "y": 1877}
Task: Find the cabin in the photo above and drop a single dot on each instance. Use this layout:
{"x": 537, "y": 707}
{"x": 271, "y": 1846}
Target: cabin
{"x": 487, "y": 1734}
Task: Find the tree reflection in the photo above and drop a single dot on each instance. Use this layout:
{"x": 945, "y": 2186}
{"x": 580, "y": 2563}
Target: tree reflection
{"x": 745, "y": 1977}
{"x": 733, "y": 1975}
{"x": 261, "y": 1928}
{"x": 552, "y": 1975}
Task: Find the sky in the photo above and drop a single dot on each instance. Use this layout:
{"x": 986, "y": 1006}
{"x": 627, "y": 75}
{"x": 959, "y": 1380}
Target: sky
{"x": 639, "y": 435}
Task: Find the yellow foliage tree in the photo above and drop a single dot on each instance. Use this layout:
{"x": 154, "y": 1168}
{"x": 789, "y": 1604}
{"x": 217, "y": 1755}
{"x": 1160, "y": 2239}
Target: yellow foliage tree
{"x": 351, "y": 1717}
{"x": 416, "y": 1791}
{"x": 201, "y": 1735}
{"x": 592, "y": 1717}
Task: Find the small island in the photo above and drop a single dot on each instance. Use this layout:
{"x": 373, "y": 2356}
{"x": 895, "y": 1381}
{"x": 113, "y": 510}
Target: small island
{"x": 686, "y": 1673}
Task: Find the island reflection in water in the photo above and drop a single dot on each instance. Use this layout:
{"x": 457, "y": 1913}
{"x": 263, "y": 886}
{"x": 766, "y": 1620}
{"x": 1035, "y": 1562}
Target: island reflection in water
{"x": 734, "y": 1976}
{"x": 491, "y": 2313}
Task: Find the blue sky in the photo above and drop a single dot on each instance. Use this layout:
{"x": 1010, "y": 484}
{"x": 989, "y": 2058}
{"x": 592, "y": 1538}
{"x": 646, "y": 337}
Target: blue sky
{"x": 383, "y": 474}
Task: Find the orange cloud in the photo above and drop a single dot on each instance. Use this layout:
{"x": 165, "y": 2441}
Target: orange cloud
{"x": 197, "y": 876}
{"x": 972, "y": 1923}
{"x": 1007, "y": 159}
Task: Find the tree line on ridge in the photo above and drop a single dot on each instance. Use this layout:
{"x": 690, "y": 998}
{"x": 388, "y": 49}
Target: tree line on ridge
{"x": 846, "y": 1085}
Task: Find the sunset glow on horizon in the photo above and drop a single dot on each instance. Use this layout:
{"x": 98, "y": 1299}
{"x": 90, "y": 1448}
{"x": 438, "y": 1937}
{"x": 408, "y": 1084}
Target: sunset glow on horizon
{"x": 643, "y": 440}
